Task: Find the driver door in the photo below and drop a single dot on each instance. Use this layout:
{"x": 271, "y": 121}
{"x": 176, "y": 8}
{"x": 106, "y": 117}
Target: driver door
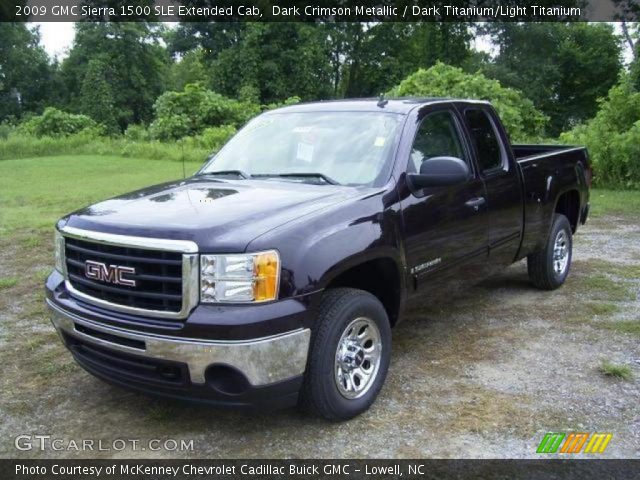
{"x": 446, "y": 228}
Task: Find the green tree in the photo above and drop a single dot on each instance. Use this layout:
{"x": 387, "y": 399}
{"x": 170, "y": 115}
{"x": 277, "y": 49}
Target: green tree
{"x": 211, "y": 37}
{"x": 627, "y": 13}
{"x": 8, "y": 10}
{"x": 191, "y": 111}
{"x": 369, "y": 59}
{"x": 564, "y": 68}
{"x": 136, "y": 60}
{"x": 613, "y": 138}
{"x": 190, "y": 68}
{"x": 56, "y": 123}
{"x": 518, "y": 114}
{"x": 26, "y": 75}
{"x": 271, "y": 61}
{"x": 634, "y": 69}
{"x": 275, "y": 61}
{"x": 96, "y": 96}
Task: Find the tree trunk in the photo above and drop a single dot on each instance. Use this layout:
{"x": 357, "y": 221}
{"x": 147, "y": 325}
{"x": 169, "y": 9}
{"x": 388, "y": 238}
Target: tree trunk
{"x": 627, "y": 36}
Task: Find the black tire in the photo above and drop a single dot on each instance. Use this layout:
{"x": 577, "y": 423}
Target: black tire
{"x": 339, "y": 308}
{"x": 542, "y": 265}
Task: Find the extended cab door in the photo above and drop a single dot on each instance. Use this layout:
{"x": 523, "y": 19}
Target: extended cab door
{"x": 502, "y": 181}
{"x": 446, "y": 228}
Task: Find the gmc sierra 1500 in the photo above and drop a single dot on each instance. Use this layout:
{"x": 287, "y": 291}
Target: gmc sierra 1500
{"x": 275, "y": 274}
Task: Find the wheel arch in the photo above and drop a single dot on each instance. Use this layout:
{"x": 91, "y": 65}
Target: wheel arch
{"x": 568, "y": 204}
{"x": 379, "y": 275}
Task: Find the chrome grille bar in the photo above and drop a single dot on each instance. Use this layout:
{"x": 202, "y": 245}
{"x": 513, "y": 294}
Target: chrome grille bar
{"x": 188, "y": 263}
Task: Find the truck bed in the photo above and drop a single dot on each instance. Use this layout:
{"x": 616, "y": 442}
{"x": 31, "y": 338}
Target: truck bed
{"x": 525, "y": 151}
{"x": 547, "y": 171}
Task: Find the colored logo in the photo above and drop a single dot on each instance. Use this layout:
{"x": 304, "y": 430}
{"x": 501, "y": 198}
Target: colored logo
{"x": 574, "y": 443}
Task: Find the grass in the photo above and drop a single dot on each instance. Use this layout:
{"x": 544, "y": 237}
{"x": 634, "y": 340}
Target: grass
{"x": 35, "y": 192}
{"x": 622, "y": 270}
{"x": 31, "y": 242}
{"x": 601, "y": 308}
{"x": 610, "y": 369}
{"x": 614, "y": 202}
{"x": 33, "y": 311}
{"x": 34, "y": 343}
{"x": 8, "y": 283}
{"x": 622, "y": 326}
{"x": 631, "y": 272}
{"x": 607, "y": 288}
{"x": 19, "y": 146}
{"x": 42, "y": 274}
{"x": 53, "y": 369}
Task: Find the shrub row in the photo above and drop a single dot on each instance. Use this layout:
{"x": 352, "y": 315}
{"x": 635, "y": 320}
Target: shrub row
{"x": 24, "y": 146}
{"x": 196, "y": 122}
{"x": 188, "y": 125}
{"x": 519, "y": 116}
{"x": 613, "y": 138}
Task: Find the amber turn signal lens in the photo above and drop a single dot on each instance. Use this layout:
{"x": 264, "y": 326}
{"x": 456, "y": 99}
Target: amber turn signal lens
{"x": 267, "y": 270}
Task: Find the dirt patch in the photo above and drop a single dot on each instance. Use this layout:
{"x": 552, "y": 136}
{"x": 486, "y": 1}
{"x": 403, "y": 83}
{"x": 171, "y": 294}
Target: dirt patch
{"x": 486, "y": 376}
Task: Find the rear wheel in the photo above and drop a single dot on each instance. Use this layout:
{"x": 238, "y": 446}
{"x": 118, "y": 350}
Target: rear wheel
{"x": 349, "y": 355}
{"x": 549, "y": 268}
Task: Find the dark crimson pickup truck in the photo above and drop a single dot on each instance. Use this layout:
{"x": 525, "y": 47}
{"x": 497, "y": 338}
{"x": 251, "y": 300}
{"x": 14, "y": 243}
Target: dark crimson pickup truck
{"x": 275, "y": 275}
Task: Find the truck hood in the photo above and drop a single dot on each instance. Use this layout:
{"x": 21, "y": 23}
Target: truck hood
{"x": 219, "y": 215}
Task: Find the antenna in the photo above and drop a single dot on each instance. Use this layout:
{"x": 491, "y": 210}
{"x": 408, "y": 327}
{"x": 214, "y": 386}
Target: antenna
{"x": 184, "y": 172}
{"x": 381, "y": 101}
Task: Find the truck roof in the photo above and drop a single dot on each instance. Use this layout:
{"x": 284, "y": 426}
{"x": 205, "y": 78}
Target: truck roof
{"x": 395, "y": 105}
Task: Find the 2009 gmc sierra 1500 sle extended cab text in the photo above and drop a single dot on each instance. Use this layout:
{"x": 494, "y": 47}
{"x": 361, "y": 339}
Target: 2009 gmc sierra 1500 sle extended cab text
{"x": 274, "y": 275}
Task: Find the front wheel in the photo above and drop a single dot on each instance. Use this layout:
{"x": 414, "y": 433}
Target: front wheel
{"x": 349, "y": 355}
{"x": 549, "y": 268}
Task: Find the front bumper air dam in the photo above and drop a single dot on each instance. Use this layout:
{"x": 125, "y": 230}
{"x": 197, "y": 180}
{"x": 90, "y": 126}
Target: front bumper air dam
{"x": 265, "y": 363}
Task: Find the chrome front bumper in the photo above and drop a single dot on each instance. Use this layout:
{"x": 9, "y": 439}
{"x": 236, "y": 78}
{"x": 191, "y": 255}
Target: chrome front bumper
{"x": 263, "y": 360}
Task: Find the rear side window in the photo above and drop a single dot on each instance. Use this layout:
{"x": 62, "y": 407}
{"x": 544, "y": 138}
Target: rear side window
{"x": 437, "y": 137}
{"x": 485, "y": 138}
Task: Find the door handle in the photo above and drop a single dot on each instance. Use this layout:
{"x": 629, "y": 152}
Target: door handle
{"x": 475, "y": 203}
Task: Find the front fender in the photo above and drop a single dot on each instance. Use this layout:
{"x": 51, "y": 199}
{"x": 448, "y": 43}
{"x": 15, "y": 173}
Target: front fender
{"x": 316, "y": 250}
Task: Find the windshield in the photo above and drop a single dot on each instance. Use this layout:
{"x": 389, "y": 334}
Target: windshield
{"x": 349, "y": 148}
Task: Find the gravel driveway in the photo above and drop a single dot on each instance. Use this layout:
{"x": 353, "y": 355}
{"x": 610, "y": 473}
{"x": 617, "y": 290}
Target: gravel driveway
{"x": 486, "y": 376}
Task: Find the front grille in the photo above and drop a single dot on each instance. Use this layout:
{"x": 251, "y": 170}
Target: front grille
{"x": 158, "y": 275}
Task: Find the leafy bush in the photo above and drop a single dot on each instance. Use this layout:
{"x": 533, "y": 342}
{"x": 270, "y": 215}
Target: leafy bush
{"x": 27, "y": 146}
{"x": 213, "y": 138}
{"x": 285, "y": 103}
{"x": 6, "y": 130}
{"x": 56, "y": 123}
{"x": 175, "y": 151}
{"x": 518, "y": 114}
{"x": 96, "y": 98}
{"x": 137, "y": 133}
{"x": 613, "y": 138}
{"x": 190, "y": 112}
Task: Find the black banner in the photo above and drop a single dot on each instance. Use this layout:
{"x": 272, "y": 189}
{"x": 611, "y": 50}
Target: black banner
{"x": 318, "y": 10}
{"x": 321, "y": 469}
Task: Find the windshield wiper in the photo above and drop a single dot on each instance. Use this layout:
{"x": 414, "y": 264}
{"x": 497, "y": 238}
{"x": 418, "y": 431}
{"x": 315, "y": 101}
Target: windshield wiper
{"x": 321, "y": 176}
{"x": 242, "y": 174}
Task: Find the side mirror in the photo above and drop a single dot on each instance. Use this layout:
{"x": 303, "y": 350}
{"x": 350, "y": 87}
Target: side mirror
{"x": 439, "y": 172}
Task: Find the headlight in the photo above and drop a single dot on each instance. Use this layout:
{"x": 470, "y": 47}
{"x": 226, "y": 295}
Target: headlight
{"x": 58, "y": 248}
{"x": 239, "y": 278}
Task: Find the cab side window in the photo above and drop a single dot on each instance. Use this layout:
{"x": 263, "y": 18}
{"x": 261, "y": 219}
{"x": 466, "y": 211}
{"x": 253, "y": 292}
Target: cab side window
{"x": 437, "y": 136}
{"x": 485, "y": 138}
